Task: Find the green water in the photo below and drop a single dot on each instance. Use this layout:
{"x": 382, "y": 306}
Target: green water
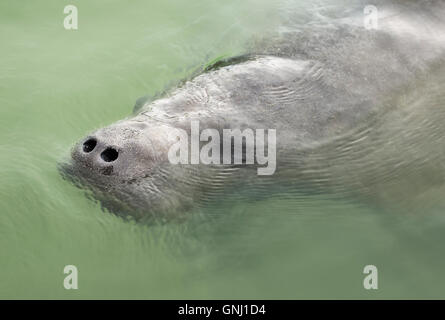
{"x": 56, "y": 85}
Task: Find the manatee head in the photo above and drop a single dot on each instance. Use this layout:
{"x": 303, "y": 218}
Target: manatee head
{"x": 125, "y": 166}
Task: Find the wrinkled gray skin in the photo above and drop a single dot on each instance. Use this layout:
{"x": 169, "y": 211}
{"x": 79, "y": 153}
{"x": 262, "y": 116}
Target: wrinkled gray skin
{"x": 315, "y": 83}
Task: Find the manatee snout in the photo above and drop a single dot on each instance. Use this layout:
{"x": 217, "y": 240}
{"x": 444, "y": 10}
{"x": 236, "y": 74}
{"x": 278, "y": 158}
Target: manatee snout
{"x": 123, "y": 165}
{"x": 101, "y": 152}
{"x": 95, "y": 154}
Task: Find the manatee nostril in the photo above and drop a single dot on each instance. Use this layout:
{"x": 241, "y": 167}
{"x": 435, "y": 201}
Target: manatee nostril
{"x": 89, "y": 145}
{"x": 109, "y": 155}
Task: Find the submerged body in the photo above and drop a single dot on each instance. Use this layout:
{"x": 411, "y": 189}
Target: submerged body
{"x": 327, "y": 88}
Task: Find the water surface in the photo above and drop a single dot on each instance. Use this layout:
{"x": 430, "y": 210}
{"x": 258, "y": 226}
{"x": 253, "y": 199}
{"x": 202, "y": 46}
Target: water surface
{"x": 57, "y": 85}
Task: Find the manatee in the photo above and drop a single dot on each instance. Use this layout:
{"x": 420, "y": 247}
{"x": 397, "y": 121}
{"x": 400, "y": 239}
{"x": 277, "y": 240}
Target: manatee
{"x": 343, "y": 99}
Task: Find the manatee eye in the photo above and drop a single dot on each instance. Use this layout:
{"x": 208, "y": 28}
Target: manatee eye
{"x": 89, "y": 145}
{"x": 109, "y": 155}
